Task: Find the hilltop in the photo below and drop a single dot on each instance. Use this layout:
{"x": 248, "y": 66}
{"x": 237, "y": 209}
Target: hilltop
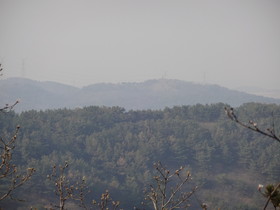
{"x": 151, "y": 94}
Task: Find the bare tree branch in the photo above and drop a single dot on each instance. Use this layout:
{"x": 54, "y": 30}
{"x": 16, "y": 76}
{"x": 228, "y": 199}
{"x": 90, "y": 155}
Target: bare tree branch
{"x": 9, "y": 174}
{"x": 8, "y": 171}
{"x": 106, "y": 202}
{"x": 269, "y": 132}
{"x": 165, "y": 197}
{"x": 1, "y": 69}
{"x": 8, "y": 107}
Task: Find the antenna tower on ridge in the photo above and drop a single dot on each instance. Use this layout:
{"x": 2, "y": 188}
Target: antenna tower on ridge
{"x": 23, "y": 68}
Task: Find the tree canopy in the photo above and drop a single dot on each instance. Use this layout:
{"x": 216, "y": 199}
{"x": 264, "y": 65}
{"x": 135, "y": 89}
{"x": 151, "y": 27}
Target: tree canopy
{"x": 115, "y": 149}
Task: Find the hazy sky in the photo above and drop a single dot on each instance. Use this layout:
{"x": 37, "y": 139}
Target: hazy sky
{"x": 79, "y": 42}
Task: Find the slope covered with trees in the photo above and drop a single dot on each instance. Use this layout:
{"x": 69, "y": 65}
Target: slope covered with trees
{"x": 115, "y": 149}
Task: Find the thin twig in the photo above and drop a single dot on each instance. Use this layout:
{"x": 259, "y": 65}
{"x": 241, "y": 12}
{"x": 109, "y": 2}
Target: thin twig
{"x": 252, "y": 125}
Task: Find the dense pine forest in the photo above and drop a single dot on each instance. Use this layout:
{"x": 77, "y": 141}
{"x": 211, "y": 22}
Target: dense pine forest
{"x": 114, "y": 149}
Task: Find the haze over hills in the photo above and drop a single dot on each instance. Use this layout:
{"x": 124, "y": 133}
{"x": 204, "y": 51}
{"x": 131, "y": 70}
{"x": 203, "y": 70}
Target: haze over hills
{"x": 151, "y": 94}
{"x": 271, "y": 93}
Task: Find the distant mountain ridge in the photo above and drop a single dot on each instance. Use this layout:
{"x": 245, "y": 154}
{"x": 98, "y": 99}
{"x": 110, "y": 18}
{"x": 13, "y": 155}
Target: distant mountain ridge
{"x": 151, "y": 94}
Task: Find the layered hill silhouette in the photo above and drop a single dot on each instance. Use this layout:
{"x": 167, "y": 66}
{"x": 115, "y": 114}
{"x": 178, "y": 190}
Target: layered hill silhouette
{"x": 151, "y": 94}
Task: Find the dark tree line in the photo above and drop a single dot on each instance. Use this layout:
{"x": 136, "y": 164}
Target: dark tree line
{"x": 115, "y": 149}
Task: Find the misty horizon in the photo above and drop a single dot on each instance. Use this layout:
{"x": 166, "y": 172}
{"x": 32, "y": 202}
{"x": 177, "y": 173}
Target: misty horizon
{"x": 266, "y": 92}
{"x": 150, "y": 94}
{"x": 231, "y": 44}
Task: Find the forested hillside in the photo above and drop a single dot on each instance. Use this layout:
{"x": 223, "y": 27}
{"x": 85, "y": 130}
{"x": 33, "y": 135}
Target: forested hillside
{"x": 115, "y": 149}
